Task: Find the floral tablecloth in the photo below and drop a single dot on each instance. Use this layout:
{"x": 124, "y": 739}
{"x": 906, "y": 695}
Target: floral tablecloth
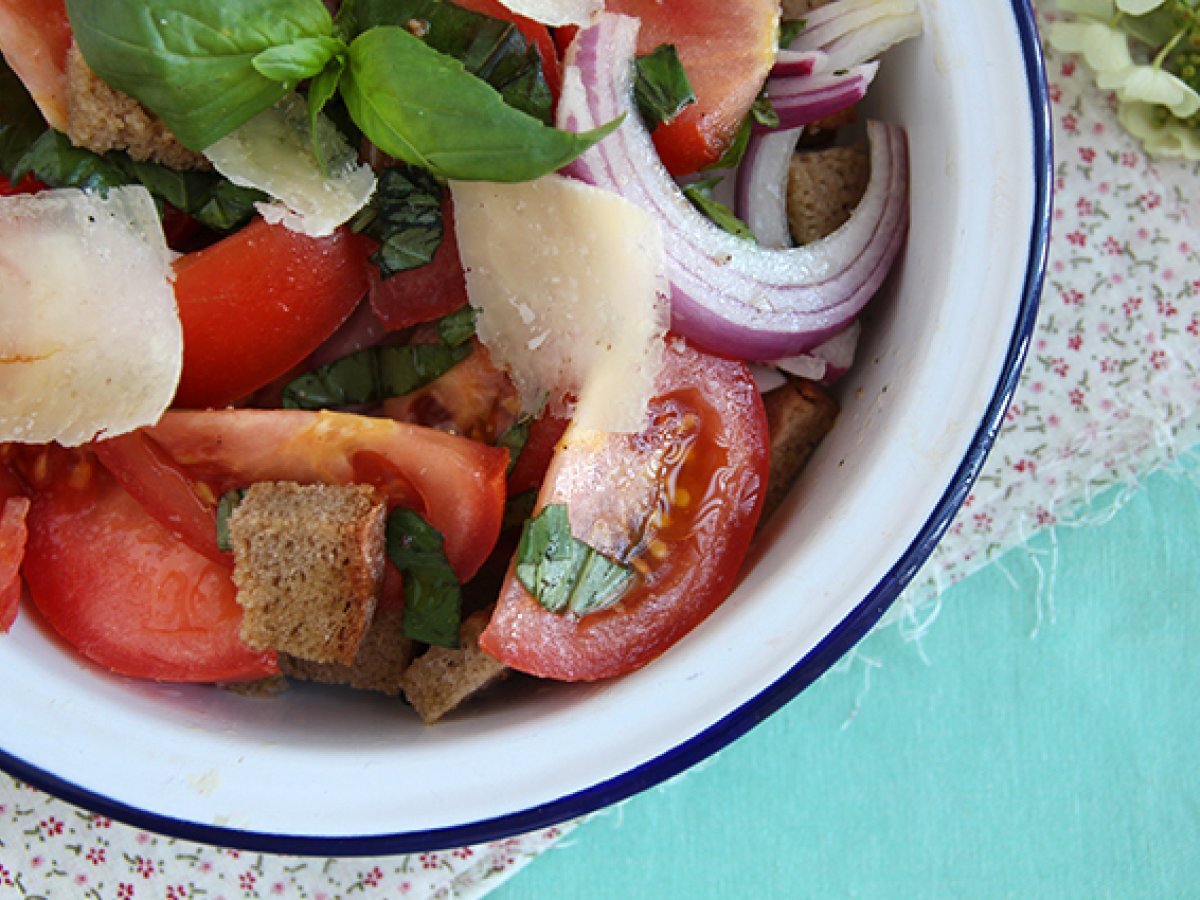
{"x": 1110, "y": 392}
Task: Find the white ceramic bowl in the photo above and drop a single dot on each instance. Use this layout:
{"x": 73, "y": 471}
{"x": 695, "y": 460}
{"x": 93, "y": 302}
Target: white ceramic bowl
{"x": 332, "y": 772}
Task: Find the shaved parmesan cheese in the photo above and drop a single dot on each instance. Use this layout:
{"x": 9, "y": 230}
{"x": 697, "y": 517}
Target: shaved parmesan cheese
{"x": 557, "y": 12}
{"x": 273, "y": 152}
{"x": 90, "y": 341}
{"x": 568, "y": 280}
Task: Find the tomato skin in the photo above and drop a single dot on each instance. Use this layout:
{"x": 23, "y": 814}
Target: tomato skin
{"x": 688, "y": 562}
{"x": 530, "y": 471}
{"x": 121, "y": 589}
{"x": 14, "y": 508}
{"x": 457, "y": 485}
{"x": 257, "y": 303}
{"x": 27, "y": 185}
{"x": 35, "y": 38}
{"x": 148, "y": 475}
{"x": 727, "y": 49}
{"x": 426, "y": 293}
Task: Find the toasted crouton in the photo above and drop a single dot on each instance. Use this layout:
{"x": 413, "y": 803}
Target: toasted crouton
{"x": 824, "y": 187}
{"x": 101, "y": 118}
{"x": 799, "y": 415}
{"x": 442, "y": 678}
{"x": 382, "y": 658}
{"x": 308, "y": 566}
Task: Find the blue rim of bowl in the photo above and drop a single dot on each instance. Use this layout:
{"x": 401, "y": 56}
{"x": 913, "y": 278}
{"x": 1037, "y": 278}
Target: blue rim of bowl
{"x": 717, "y": 736}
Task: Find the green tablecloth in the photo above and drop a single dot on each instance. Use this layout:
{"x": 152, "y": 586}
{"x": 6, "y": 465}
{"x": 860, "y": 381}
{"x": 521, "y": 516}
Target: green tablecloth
{"x": 1010, "y": 760}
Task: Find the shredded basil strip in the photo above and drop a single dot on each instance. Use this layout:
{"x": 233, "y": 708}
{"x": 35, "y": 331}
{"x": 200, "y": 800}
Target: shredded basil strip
{"x": 763, "y": 112}
{"x": 376, "y": 373}
{"x": 514, "y": 439}
{"x": 563, "y": 573}
{"x": 661, "y": 88}
{"x": 789, "y": 30}
{"x": 458, "y": 327}
{"x": 432, "y": 594}
{"x": 225, "y": 507}
{"x": 211, "y": 199}
{"x": 700, "y": 193}
{"x": 405, "y": 216}
{"x": 20, "y": 121}
{"x": 732, "y": 157}
{"x": 491, "y": 49}
{"x": 372, "y": 375}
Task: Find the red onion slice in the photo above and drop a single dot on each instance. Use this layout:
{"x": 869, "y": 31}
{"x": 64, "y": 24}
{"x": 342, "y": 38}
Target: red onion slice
{"x": 853, "y": 31}
{"x": 789, "y": 63}
{"x": 729, "y": 295}
{"x": 762, "y": 179}
{"x": 802, "y": 99}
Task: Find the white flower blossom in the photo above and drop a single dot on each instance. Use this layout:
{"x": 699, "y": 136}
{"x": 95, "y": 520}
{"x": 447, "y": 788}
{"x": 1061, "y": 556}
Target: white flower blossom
{"x": 1146, "y": 84}
{"x": 1160, "y": 136}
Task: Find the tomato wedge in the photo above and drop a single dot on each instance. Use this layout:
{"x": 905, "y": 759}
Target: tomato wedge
{"x": 258, "y": 302}
{"x": 119, "y": 587}
{"x": 34, "y": 39}
{"x": 727, "y": 49}
{"x": 427, "y": 292}
{"x": 151, "y": 477}
{"x": 14, "y": 507}
{"x": 678, "y": 502}
{"x": 456, "y": 484}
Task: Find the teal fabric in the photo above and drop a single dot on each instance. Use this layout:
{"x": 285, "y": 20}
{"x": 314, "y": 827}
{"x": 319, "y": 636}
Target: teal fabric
{"x": 1000, "y": 759}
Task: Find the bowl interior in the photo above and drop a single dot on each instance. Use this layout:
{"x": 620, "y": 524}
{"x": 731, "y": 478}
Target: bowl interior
{"x": 324, "y": 770}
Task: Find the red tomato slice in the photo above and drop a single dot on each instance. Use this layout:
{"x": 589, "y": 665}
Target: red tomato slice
{"x": 14, "y": 506}
{"x": 679, "y": 502}
{"x": 120, "y": 588}
{"x": 457, "y": 485}
{"x": 35, "y": 38}
{"x": 534, "y": 32}
{"x": 425, "y": 293}
{"x": 27, "y": 185}
{"x": 530, "y": 471}
{"x": 727, "y": 49}
{"x": 152, "y": 478}
{"x": 257, "y": 303}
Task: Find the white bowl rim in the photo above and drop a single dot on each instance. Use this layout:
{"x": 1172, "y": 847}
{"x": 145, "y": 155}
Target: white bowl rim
{"x": 852, "y": 628}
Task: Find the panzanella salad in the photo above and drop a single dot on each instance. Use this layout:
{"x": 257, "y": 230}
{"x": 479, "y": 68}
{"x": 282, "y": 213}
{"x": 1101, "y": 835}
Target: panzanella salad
{"x": 408, "y": 343}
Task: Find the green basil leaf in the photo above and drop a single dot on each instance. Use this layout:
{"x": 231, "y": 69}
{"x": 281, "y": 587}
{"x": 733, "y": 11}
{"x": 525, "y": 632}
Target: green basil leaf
{"x": 376, "y": 373}
{"x": 192, "y": 61}
{"x": 54, "y": 160}
{"x": 458, "y": 327}
{"x": 514, "y": 439}
{"x": 209, "y": 198}
{"x": 661, "y": 88}
{"x": 225, "y": 507}
{"x": 432, "y": 594}
{"x": 732, "y": 157}
{"x": 700, "y": 193}
{"x": 302, "y": 58}
{"x": 20, "y": 121}
{"x": 423, "y": 107}
{"x": 789, "y": 30}
{"x": 764, "y": 113}
{"x": 321, "y": 90}
{"x": 491, "y": 49}
{"x": 563, "y": 573}
{"x": 405, "y": 216}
